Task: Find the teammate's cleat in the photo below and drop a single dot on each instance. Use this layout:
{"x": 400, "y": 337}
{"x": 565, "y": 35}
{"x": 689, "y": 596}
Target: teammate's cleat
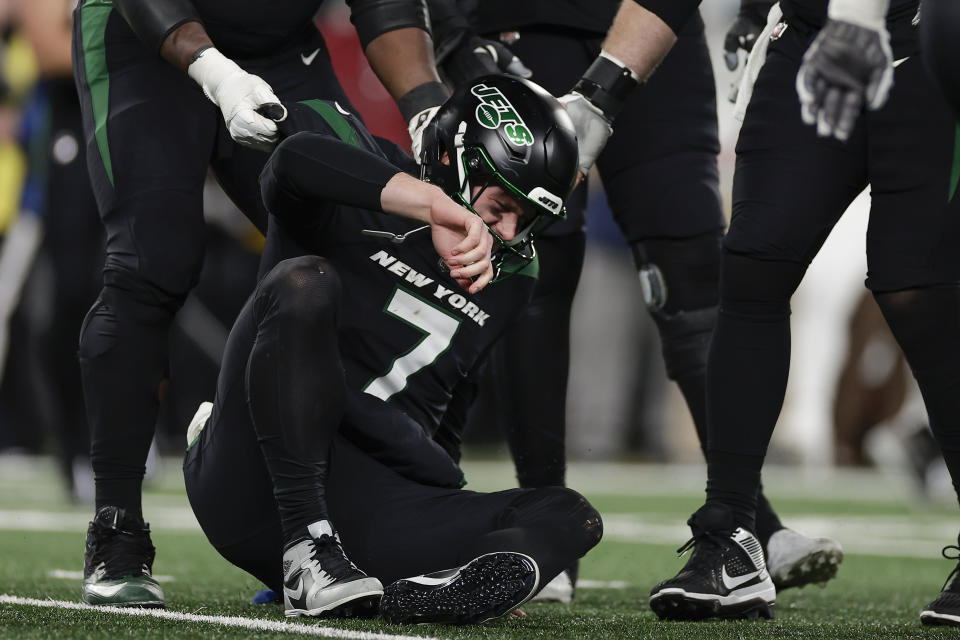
{"x": 118, "y": 560}
{"x": 794, "y": 560}
{"x": 487, "y": 587}
{"x": 725, "y": 576}
{"x": 945, "y": 610}
{"x": 319, "y": 580}
{"x": 560, "y": 589}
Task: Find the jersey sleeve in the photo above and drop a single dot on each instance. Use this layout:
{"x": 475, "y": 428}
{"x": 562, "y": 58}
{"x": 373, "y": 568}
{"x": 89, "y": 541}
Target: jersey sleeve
{"x": 153, "y": 21}
{"x": 675, "y": 13}
{"x": 373, "y": 18}
{"x": 325, "y": 161}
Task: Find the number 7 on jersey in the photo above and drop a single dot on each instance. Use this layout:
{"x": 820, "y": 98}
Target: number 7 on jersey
{"x": 438, "y": 328}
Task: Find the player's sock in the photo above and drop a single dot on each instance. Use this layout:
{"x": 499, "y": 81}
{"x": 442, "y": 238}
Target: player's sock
{"x": 296, "y": 385}
{"x": 767, "y": 520}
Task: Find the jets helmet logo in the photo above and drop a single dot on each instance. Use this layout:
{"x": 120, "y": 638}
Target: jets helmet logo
{"x": 495, "y": 111}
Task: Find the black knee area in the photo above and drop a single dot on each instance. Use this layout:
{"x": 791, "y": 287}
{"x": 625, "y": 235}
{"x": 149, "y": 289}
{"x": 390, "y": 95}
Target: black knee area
{"x": 758, "y": 289}
{"x": 688, "y": 270}
{"x": 926, "y": 324}
{"x": 558, "y": 511}
{"x": 303, "y": 289}
{"x": 679, "y": 278}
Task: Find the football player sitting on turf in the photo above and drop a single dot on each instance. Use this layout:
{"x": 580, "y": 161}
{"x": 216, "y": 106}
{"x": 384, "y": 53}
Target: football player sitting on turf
{"x": 343, "y": 373}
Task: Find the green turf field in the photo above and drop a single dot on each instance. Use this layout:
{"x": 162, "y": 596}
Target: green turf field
{"x": 892, "y": 567}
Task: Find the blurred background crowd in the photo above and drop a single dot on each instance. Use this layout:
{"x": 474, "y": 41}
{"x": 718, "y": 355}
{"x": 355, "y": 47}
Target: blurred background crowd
{"x": 851, "y": 399}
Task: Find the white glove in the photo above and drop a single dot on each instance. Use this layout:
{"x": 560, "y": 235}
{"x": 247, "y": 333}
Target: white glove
{"x": 417, "y": 125}
{"x": 238, "y": 94}
{"x": 591, "y": 125}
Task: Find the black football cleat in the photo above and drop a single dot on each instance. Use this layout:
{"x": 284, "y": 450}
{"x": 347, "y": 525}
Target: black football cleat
{"x": 945, "y": 610}
{"x": 118, "y": 561}
{"x": 725, "y": 577}
{"x": 487, "y": 587}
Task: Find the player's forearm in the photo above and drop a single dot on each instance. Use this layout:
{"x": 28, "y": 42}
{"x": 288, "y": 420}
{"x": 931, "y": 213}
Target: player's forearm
{"x": 309, "y": 169}
{"x": 181, "y": 46}
{"x": 155, "y": 22}
{"x": 403, "y": 60}
{"x": 640, "y": 38}
{"x": 405, "y": 196}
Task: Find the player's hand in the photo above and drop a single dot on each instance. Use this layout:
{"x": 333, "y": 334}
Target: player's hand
{"x": 239, "y": 95}
{"x": 742, "y": 34}
{"x": 463, "y": 242}
{"x": 473, "y": 57}
{"x": 417, "y": 125}
{"x": 592, "y": 127}
{"x": 847, "y": 67}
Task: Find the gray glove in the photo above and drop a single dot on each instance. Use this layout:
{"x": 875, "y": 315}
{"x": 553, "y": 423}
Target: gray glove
{"x": 750, "y": 21}
{"x": 473, "y": 56}
{"x": 847, "y": 67}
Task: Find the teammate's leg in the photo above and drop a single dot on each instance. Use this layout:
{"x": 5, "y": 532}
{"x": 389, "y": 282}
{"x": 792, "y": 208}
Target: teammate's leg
{"x": 913, "y": 258}
{"x": 789, "y": 190}
{"x": 149, "y": 131}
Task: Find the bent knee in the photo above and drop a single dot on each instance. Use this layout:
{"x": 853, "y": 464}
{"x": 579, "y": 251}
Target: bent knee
{"x": 302, "y": 286}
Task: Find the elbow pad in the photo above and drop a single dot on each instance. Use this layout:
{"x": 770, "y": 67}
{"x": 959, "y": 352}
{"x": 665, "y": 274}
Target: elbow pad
{"x": 153, "y": 21}
{"x": 675, "y": 13}
{"x": 374, "y": 18}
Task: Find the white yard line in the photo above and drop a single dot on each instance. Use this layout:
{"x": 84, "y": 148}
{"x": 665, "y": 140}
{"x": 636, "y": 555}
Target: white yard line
{"x": 254, "y": 624}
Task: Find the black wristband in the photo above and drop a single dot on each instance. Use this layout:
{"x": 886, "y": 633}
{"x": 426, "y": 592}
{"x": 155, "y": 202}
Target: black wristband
{"x": 196, "y": 54}
{"x": 607, "y": 85}
{"x": 428, "y": 94}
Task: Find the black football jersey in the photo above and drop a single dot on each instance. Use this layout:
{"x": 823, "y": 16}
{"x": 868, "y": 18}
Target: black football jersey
{"x": 408, "y": 333}
{"x": 253, "y": 28}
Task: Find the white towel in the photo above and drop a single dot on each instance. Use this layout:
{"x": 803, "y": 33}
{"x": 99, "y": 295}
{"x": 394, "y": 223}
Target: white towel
{"x": 758, "y": 55}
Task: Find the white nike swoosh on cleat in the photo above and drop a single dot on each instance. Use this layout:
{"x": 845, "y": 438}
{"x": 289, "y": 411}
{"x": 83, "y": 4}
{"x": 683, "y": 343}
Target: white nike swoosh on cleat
{"x": 294, "y": 595}
{"x": 897, "y": 63}
{"x": 107, "y": 591}
{"x": 110, "y": 590}
{"x": 732, "y": 583}
{"x": 308, "y": 58}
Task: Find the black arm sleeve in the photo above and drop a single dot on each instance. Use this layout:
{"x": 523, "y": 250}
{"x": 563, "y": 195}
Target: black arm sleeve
{"x": 447, "y": 21}
{"x": 374, "y": 18}
{"x": 675, "y": 13}
{"x": 154, "y": 20}
{"x": 308, "y": 173}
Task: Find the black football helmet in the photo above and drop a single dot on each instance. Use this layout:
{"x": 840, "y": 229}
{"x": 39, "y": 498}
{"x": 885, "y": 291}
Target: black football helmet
{"x": 504, "y": 130}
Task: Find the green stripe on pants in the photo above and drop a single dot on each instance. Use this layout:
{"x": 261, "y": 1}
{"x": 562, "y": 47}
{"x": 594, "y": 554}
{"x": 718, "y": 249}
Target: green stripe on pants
{"x": 94, "y": 15}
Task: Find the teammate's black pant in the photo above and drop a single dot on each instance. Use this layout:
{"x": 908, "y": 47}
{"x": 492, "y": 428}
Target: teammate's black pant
{"x": 391, "y": 524}
{"x": 790, "y": 188}
{"x": 150, "y": 136}
{"x": 940, "y": 36}
{"x": 659, "y": 171}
